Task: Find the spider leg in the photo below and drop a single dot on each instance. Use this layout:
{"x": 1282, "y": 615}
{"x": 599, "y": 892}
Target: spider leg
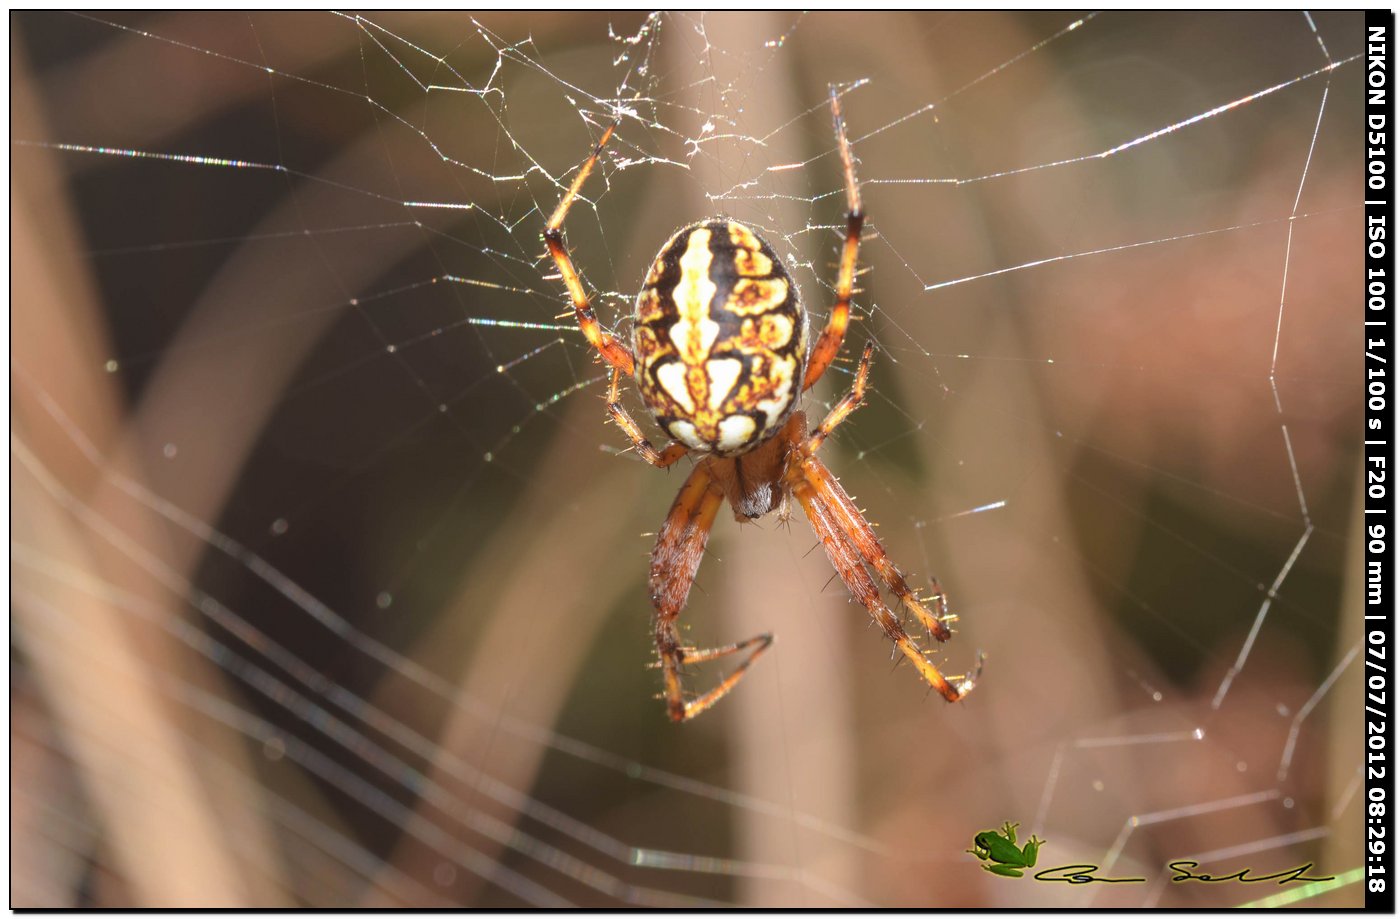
{"x": 679, "y": 548}
{"x": 854, "y": 524}
{"x": 613, "y": 351}
{"x": 666, "y": 457}
{"x": 861, "y": 535}
{"x": 827, "y": 346}
{"x": 828, "y": 519}
{"x": 843, "y": 409}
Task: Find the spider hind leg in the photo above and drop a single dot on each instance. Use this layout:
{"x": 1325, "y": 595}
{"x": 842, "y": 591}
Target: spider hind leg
{"x": 828, "y": 344}
{"x": 607, "y": 345}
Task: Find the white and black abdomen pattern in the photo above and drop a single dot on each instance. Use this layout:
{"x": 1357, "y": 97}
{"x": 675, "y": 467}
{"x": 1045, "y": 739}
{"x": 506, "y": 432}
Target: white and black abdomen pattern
{"x": 720, "y": 339}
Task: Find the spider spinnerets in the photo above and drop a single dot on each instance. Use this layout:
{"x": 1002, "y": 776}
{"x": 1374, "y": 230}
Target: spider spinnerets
{"x": 719, "y": 353}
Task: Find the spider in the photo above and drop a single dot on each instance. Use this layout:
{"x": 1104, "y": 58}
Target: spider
{"x": 719, "y": 354}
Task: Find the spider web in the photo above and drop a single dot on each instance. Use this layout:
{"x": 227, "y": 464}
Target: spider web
{"x": 329, "y": 580}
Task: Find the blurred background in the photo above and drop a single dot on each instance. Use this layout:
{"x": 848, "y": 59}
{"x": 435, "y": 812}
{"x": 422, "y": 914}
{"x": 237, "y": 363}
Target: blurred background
{"x": 328, "y": 577}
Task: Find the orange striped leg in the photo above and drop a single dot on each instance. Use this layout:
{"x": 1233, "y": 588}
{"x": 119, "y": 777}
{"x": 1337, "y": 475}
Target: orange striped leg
{"x": 852, "y": 401}
{"x": 856, "y": 529}
{"x": 829, "y": 344}
{"x": 854, "y": 524}
{"x": 674, "y": 561}
{"x": 612, "y": 350}
{"x": 827, "y": 523}
{"x": 673, "y": 451}
{"x": 861, "y": 535}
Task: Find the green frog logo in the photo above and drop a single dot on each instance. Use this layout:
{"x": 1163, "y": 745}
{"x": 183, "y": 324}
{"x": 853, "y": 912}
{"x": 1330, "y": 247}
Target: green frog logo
{"x": 999, "y": 848}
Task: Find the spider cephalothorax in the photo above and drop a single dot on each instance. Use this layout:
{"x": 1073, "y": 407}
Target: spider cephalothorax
{"x": 719, "y": 353}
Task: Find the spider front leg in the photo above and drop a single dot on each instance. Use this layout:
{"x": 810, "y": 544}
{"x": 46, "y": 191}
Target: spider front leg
{"x": 828, "y": 523}
{"x": 861, "y": 535}
{"x": 666, "y": 457}
{"x": 852, "y": 522}
{"x": 679, "y": 548}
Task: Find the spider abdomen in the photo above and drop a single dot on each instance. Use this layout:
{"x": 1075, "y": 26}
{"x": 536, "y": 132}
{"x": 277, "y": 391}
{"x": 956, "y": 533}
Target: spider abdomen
{"x": 720, "y": 338}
